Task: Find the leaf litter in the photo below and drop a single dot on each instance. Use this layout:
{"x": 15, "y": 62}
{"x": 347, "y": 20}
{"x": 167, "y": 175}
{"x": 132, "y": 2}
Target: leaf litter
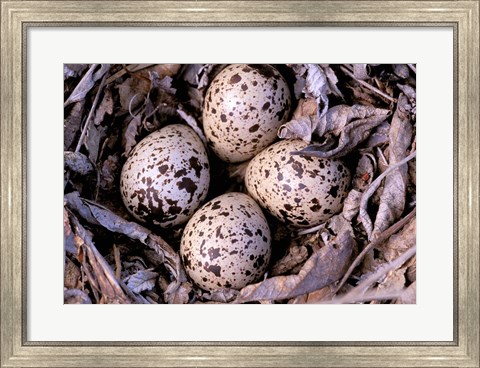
{"x": 362, "y": 113}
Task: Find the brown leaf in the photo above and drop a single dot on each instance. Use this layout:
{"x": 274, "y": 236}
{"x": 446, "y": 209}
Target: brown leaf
{"x": 87, "y": 83}
{"x": 324, "y": 267}
{"x": 105, "y": 107}
{"x": 72, "y": 123}
{"x": 352, "y": 123}
{"x": 130, "y": 134}
{"x": 351, "y": 205}
{"x": 392, "y": 202}
{"x": 304, "y": 121}
{"x": 400, "y": 242}
{"x": 95, "y": 136}
{"x": 177, "y": 293}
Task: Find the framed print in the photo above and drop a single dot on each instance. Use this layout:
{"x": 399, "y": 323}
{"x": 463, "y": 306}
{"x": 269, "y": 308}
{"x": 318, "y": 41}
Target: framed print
{"x": 110, "y": 54}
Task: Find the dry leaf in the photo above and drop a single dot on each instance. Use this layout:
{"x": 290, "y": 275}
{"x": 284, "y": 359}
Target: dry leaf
{"x": 72, "y": 123}
{"x": 324, "y": 267}
{"x": 304, "y": 121}
{"x": 141, "y": 281}
{"x": 177, "y": 293}
{"x": 353, "y": 123}
{"x": 351, "y": 205}
{"x": 75, "y": 296}
{"x": 99, "y": 215}
{"x": 392, "y": 202}
{"x": 77, "y": 162}
{"x": 105, "y": 107}
{"x": 87, "y": 83}
{"x": 400, "y": 242}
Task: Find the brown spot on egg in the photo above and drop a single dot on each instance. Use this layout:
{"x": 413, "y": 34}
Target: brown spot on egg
{"x": 235, "y": 79}
{"x": 254, "y": 128}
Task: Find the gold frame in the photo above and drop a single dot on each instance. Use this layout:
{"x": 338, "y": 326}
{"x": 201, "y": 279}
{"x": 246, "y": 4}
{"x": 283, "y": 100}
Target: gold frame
{"x": 16, "y": 16}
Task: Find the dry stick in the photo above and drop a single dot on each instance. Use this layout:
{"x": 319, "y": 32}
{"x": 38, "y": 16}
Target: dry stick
{"x": 411, "y": 66}
{"x": 367, "y": 223}
{"x": 125, "y": 70}
{"x": 90, "y": 114}
{"x": 366, "y": 85}
{"x": 372, "y": 295}
{"x": 383, "y": 237}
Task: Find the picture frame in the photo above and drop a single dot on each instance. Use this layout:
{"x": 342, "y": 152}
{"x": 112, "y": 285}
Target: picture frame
{"x": 17, "y": 16}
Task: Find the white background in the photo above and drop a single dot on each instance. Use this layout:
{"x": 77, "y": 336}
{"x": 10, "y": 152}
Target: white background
{"x": 430, "y": 319}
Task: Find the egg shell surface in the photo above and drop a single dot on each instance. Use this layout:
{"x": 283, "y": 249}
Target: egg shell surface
{"x": 227, "y": 243}
{"x": 243, "y": 109}
{"x": 298, "y": 190}
{"x": 166, "y": 177}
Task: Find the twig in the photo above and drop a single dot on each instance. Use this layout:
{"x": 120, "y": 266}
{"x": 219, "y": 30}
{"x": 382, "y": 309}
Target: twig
{"x": 383, "y": 237}
{"x": 90, "y": 114}
{"x": 366, "y": 85}
{"x": 122, "y": 72}
{"x": 367, "y": 223}
{"x": 118, "y": 263}
{"x": 383, "y": 270}
{"x": 366, "y": 297}
{"x": 411, "y": 66}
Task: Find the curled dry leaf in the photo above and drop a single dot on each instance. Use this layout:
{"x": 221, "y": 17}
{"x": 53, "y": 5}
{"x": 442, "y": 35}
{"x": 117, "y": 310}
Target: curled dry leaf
{"x": 324, "y": 267}
{"x": 304, "y": 121}
{"x": 315, "y": 83}
{"x": 351, "y": 205}
{"x": 353, "y": 123}
{"x": 379, "y": 136}
{"x": 392, "y": 201}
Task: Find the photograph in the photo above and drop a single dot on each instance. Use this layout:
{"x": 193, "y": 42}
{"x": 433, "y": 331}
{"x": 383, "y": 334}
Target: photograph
{"x": 239, "y": 183}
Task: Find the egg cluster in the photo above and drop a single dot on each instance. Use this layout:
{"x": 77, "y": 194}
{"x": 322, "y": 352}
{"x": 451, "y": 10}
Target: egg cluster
{"x": 226, "y": 243}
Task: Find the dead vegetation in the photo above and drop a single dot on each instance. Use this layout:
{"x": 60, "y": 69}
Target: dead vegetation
{"x": 365, "y": 114}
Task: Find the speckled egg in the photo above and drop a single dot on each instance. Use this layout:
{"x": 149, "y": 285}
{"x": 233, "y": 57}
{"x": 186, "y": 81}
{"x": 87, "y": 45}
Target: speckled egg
{"x": 226, "y": 244}
{"x": 166, "y": 177}
{"x": 244, "y": 107}
{"x": 299, "y": 191}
